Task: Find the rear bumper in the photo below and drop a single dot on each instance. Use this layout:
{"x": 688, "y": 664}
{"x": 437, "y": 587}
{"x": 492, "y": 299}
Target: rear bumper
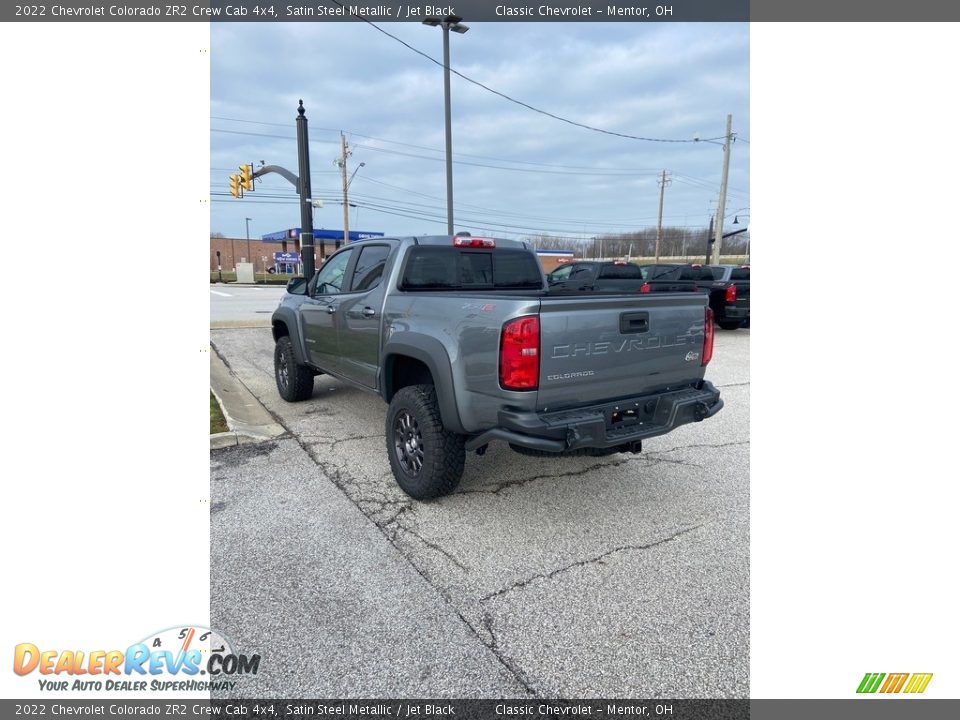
{"x": 608, "y": 425}
{"x": 732, "y": 312}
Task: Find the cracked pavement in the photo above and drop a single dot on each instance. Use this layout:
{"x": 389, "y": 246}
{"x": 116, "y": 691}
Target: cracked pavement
{"x": 624, "y": 576}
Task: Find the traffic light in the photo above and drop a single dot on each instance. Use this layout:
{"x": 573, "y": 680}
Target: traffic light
{"x": 235, "y": 185}
{"x": 246, "y": 177}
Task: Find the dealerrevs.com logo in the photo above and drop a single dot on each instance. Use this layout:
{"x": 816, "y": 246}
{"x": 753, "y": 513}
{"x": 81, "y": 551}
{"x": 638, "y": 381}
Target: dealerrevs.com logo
{"x": 186, "y": 658}
{"x": 894, "y": 682}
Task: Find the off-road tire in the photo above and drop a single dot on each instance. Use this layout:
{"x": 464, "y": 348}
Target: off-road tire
{"x": 294, "y": 381}
{"x": 730, "y": 324}
{"x": 427, "y": 461}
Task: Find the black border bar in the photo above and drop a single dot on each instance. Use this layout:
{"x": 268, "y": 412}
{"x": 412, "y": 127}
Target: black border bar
{"x": 391, "y": 11}
{"x": 872, "y": 708}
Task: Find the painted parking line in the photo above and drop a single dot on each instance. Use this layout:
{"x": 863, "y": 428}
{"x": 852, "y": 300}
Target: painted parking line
{"x": 215, "y": 292}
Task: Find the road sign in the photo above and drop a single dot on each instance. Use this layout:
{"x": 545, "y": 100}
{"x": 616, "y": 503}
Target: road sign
{"x": 285, "y": 258}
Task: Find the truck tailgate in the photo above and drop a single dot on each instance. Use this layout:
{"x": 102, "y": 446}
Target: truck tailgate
{"x": 597, "y": 348}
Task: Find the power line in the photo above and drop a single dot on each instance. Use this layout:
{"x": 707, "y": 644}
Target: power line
{"x": 440, "y": 219}
{"x": 514, "y": 100}
{"x": 588, "y": 172}
{"x": 423, "y": 147}
{"x": 361, "y": 198}
{"x": 503, "y": 167}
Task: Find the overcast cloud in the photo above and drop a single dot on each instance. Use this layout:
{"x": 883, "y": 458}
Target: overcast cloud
{"x": 661, "y": 80}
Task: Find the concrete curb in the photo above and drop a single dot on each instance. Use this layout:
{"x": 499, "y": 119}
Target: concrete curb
{"x": 248, "y": 420}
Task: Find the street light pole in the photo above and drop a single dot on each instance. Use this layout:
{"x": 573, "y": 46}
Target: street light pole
{"x": 736, "y": 221}
{"x": 450, "y": 22}
{"x": 447, "y": 125}
{"x": 303, "y": 185}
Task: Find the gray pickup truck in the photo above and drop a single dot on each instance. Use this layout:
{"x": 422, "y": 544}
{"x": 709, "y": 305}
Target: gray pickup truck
{"x": 461, "y": 338}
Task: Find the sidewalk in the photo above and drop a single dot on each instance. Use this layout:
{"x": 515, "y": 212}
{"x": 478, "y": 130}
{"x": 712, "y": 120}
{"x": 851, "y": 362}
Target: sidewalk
{"x": 247, "y": 419}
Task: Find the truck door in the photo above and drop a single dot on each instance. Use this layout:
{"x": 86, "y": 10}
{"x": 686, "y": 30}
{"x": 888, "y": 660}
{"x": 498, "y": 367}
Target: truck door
{"x": 359, "y": 314}
{"x": 319, "y": 313}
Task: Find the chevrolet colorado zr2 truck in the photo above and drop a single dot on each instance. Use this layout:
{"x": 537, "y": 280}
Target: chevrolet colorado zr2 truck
{"x": 462, "y": 340}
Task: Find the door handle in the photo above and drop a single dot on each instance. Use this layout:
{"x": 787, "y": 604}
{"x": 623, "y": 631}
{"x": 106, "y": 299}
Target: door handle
{"x": 331, "y": 309}
{"x": 369, "y": 312}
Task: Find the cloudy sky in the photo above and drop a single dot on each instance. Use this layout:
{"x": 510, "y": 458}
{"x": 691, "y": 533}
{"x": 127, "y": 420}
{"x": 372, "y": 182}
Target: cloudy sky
{"x": 516, "y": 172}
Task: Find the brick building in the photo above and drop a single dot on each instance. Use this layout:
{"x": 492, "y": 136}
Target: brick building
{"x": 234, "y": 250}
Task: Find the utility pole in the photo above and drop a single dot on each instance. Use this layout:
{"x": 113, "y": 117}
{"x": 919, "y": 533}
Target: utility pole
{"x": 722, "y": 206}
{"x": 344, "y": 152}
{"x": 709, "y": 235}
{"x": 663, "y": 186}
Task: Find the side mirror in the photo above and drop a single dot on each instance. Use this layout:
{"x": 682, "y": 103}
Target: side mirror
{"x": 297, "y": 286}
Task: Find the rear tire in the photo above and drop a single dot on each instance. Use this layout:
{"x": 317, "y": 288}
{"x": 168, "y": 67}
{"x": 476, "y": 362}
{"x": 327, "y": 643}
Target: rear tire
{"x": 427, "y": 461}
{"x": 730, "y": 324}
{"x": 294, "y": 381}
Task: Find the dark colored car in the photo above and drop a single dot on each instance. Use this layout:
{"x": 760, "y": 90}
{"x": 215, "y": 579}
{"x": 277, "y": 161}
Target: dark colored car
{"x": 619, "y": 277}
{"x": 729, "y": 289}
{"x": 670, "y": 277}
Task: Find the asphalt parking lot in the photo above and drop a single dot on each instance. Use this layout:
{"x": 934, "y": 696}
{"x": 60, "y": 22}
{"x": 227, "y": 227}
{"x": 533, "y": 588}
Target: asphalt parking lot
{"x": 624, "y": 576}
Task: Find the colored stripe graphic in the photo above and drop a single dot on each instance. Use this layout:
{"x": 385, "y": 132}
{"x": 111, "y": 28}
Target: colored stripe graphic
{"x": 186, "y": 641}
{"x": 918, "y": 683}
{"x": 870, "y": 682}
{"x": 915, "y": 683}
{"x": 894, "y": 682}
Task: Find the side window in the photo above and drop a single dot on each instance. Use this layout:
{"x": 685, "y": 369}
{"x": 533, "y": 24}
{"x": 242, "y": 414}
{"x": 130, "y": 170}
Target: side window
{"x": 561, "y": 273}
{"x": 330, "y": 277}
{"x": 583, "y": 272}
{"x": 369, "y": 269}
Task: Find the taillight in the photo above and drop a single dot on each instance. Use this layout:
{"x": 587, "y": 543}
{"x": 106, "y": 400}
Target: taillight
{"x": 520, "y": 354}
{"x": 468, "y": 242}
{"x": 707, "y": 336}
{"x": 731, "y": 295}
{"x": 645, "y": 288}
